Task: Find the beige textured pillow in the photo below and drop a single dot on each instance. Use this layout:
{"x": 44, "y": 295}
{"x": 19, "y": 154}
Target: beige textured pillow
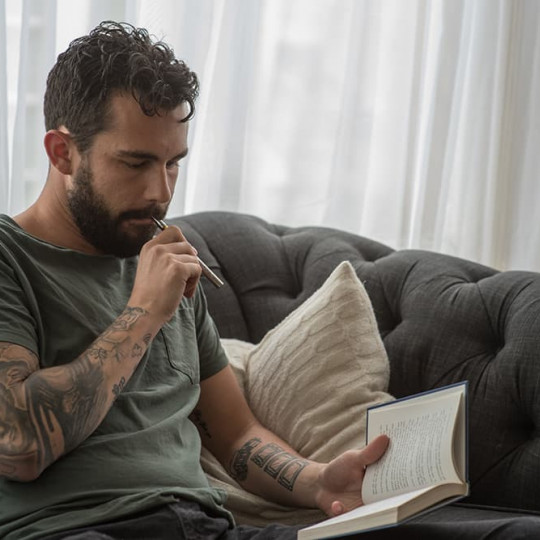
{"x": 310, "y": 380}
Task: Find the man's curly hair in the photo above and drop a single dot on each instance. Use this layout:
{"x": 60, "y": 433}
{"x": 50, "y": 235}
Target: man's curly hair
{"x": 114, "y": 57}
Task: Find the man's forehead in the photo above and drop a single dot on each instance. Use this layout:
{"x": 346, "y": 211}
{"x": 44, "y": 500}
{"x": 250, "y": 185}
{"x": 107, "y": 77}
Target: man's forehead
{"x": 124, "y": 106}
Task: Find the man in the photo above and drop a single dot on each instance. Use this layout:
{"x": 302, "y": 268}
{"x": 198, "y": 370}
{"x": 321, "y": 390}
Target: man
{"x": 111, "y": 370}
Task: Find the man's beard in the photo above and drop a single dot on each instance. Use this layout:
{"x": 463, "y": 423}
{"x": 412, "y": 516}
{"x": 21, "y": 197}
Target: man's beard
{"x": 97, "y": 224}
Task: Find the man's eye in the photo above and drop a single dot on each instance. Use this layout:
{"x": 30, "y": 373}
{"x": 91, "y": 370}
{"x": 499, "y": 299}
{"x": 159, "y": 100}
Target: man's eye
{"x": 135, "y": 164}
{"x": 173, "y": 164}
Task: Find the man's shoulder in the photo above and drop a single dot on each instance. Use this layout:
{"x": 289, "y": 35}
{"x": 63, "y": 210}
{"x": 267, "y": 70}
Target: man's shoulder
{"x": 25, "y": 255}
{"x": 7, "y": 223}
{"x": 10, "y": 230}
{"x": 9, "y": 238}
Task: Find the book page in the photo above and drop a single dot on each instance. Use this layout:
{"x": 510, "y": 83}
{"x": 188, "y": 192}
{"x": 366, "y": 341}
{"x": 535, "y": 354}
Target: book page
{"x": 420, "y": 452}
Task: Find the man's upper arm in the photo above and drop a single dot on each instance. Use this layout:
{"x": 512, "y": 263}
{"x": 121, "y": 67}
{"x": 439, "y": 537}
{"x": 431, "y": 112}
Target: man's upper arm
{"x": 212, "y": 357}
{"x": 222, "y": 414}
{"x": 19, "y": 307}
{"x": 18, "y": 442}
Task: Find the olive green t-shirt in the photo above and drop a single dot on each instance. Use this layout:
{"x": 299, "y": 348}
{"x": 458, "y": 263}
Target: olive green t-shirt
{"x": 145, "y": 453}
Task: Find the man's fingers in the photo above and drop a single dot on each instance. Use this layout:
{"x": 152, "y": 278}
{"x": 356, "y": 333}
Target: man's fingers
{"x": 375, "y": 449}
{"x": 337, "y": 508}
{"x": 173, "y": 238}
{"x": 171, "y": 233}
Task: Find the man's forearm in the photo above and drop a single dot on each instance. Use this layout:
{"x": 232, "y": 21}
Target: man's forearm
{"x": 258, "y": 459}
{"x": 274, "y": 470}
{"x": 266, "y": 465}
{"x": 59, "y": 407}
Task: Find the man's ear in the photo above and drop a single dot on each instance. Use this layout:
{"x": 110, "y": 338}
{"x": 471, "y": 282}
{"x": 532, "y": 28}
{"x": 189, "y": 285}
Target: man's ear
{"x": 60, "y": 149}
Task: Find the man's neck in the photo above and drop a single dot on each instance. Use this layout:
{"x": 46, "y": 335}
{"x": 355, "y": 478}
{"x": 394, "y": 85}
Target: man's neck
{"x": 53, "y": 224}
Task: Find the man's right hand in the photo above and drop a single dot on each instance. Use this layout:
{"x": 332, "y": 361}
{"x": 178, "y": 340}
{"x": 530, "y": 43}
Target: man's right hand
{"x": 168, "y": 269}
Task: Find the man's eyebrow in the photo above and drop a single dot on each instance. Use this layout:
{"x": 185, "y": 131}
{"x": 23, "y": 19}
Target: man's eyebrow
{"x": 141, "y": 154}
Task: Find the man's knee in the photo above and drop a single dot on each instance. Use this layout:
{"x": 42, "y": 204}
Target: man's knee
{"x": 522, "y": 528}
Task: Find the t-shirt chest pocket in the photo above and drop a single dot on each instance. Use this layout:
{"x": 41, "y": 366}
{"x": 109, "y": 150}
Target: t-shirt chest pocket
{"x": 177, "y": 341}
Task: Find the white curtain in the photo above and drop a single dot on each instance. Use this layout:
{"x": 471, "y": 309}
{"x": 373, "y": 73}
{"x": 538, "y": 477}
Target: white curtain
{"x": 413, "y": 122}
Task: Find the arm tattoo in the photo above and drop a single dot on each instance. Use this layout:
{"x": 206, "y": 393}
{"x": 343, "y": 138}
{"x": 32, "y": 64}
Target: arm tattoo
{"x": 59, "y": 407}
{"x": 17, "y": 434}
{"x": 279, "y": 464}
{"x": 239, "y": 463}
{"x": 197, "y": 419}
{"x": 117, "y": 388}
{"x": 271, "y": 458}
{"x": 65, "y": 405}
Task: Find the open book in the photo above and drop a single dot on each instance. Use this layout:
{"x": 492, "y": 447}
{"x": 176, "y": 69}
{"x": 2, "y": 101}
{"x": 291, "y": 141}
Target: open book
{"x": 424, "y": 467}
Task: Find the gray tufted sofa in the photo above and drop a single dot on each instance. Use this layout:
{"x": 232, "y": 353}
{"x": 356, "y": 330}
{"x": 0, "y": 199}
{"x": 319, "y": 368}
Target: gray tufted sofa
{"x": 442, "y": 320}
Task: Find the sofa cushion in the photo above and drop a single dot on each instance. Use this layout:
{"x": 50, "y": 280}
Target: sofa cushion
{"x": 310, "y": 381}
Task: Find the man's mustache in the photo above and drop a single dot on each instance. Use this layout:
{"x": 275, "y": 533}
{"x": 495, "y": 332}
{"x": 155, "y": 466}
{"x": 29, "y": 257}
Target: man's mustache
{"x": 143, "y": 213}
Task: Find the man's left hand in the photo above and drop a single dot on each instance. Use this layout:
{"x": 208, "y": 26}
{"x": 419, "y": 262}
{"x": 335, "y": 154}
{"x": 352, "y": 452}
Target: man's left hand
{"x": 340, "y": 481}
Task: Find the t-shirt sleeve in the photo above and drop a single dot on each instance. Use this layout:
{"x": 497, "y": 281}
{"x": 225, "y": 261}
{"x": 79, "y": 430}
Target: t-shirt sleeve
{"x": 212, "y": 357}
{"x": 17, "y": 325}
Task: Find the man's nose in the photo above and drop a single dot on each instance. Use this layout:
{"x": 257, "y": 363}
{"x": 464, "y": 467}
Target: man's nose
{"x": 159, "y": 186}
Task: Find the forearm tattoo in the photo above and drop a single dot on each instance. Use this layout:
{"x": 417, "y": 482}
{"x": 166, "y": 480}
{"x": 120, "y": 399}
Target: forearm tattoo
{"x": 239, "y": 464}
{"x": 59, "y": 407}
{"x": 271, "y": 458}
{"x": 17, "y": 434}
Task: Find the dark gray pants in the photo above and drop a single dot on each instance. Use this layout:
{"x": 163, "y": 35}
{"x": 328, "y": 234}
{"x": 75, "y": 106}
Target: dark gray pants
{"x": 186, "y": 521}
{"x": 179, "y": 521}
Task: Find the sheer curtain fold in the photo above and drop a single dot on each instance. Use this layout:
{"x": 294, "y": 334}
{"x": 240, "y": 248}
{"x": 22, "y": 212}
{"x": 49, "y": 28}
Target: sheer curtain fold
{"x": 28, "y": 160}
{"x": 227, "y": 89}
{"x": 4, "y": 144}
{"x": 523, "y": 138}
{"x": 415, "y": 123}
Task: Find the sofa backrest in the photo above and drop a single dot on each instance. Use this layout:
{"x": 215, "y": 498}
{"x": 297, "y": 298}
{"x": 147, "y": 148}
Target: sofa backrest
{"x": 442, "y": 319}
